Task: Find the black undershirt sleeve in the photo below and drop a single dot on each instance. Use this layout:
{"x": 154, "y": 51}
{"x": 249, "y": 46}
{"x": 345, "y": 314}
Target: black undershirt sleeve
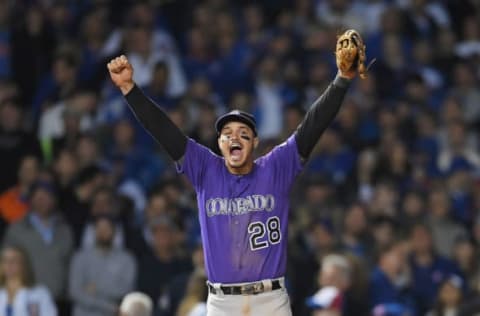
{"x": 157, "y": 123}
{"x": 319, "y": 116}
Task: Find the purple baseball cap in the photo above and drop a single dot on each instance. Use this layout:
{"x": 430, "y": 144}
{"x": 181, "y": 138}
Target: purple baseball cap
{"x": 236, "y": 116}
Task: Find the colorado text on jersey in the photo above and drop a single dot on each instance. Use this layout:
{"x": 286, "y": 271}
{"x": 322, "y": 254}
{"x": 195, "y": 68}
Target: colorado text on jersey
{"x": 240, "y": 205}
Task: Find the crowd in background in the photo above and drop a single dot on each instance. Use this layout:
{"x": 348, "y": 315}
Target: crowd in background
{"x": 92, "y": 209}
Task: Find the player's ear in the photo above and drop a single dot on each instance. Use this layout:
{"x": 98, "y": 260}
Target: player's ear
{"x": 255, "y": 142}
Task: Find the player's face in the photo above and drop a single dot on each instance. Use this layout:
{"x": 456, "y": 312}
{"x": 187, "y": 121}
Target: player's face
{"x": 237, "y": 142}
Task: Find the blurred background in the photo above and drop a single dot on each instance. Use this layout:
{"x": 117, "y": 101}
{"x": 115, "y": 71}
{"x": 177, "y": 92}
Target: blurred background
{"x": 91, "y": 207}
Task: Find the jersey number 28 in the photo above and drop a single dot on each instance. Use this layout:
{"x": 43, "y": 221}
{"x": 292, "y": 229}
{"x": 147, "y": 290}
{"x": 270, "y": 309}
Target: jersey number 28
{"x": 257, "y": 232}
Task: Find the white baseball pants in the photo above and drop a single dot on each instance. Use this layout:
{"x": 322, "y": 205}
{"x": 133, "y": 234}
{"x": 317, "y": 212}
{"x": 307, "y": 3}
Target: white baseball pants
{"x": 275, "y": 303}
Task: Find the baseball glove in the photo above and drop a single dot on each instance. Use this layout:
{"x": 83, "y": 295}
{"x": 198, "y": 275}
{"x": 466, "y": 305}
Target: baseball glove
{"x": 350, "y": 54}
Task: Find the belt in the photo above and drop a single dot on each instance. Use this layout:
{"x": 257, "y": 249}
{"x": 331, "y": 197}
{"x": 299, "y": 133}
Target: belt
{"x": 244, "y": 289}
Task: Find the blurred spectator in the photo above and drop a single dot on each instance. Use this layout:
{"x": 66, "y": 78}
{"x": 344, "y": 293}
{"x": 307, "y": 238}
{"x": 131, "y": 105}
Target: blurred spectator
{"x": 136, "y": 304}
{"x": 355, "y": 237}
{"x": 390, "y": 288}
{"x": 46, "y": 238}
{"x": 147, "y": 46}
{"x": 75, "y": 200}
{"x": 228, "y": 71}
{"x": 181, "y": 209}
{"x": 394, "y": 165}
{"x": 421, "y": 20}
{"x": 241, "y": 100}
{"x": 392, "y": 64}
{"x": 13, "y": 202}
{"x": 317, "y": 202}
{"x": 268, "y": 91}
{"x": 457, "y": 144}
{"x": 469, "y": 45}
{"x": 332, "y": 158}
{"x": 198, "y": 53}
{"x": 413, "y": 209}
{"x": 307, "y": 250}
{"x": 449, "y": 298}
{"x": 444, "y": 230}
{"x": 201, "y": 92}
{"x": 348, "y": 121}
{"x": 62, "y": 20}
{"x": 293, "y": 116}
{"x": 141, "y": 241}
{"x": 317, "y": 81}
{"x": 255, "y": 32}
{"x": 161, "y": 263}
{"x": 178, "y": 286}
{"x": 87, "y": 152}
{"x": 56, "y": 122}
{"x": 194, "y": 301}
{"x": 340, "y": 14}
{"x": 59, "y": 83}
{"x": 203, "y": 132}
{"x": 66, "y": 170}
{"x": 131, "y": 161}
{"x": 459, "y": 184}
{"x": 98, "y": 40}
{"x": 445, "y": 57}
{"x": 102, "y": 275}
{"x": 385, "y": 200}
{"x": 366, "y": 164}
{"x": 466, "y": 255}
{"x": 384, "y": 232}
{"x": 103, "y": 203}
{"x": 5, "y": 33}
{"x": 429, "y": 269}
{"x": 157, "y": 89}
{"x": 426, "y": 145}
{"x": 465, "y": 88}
{"x": 15, "y": 142}
{"x": 334, "y": 280}
{"x": 423, "y": 58}
{"x": 31, "y": 35}
{"x": 19, "y": 292}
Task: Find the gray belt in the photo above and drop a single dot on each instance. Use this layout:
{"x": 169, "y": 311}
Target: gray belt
{"x": 244, "y": 289}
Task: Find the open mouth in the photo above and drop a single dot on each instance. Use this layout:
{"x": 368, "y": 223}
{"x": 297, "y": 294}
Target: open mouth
{"x": 235, "y": 151}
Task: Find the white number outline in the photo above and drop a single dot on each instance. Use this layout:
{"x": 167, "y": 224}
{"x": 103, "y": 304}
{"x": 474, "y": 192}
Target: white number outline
{"x": 258, "y": 229}
{"x": 257, "y": 234}
{"x": 276, "y": 220}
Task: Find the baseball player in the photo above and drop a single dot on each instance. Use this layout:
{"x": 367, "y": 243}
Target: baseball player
{"x": 243, "y": 203}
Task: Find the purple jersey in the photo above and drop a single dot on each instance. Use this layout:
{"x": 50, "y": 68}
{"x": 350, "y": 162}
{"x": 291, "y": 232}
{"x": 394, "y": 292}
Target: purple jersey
{"x": 243, "y": 219}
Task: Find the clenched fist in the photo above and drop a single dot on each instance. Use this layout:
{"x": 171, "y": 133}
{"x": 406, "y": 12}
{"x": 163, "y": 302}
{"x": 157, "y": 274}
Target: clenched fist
{"x": 121, "y": 72}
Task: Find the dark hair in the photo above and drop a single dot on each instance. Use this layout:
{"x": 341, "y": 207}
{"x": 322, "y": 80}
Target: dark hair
{"x": 104, "y": 189}
{"x": 438, "y": 307}
{"x": 67, "y": 57}
{"x": 387, "y": 248}
{"x": 27, "y": 277}
{"x": 87, "y": 174}
{"x": 421, "y": 225}
{"x": 45, "y": 186}
{"x": 161, "y": 65}
{"x": 381, "y": 220}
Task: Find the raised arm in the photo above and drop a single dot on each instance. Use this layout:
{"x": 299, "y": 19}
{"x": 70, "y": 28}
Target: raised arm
{"x": 320, "y": 115}
{"x": 152, "y": 117}
{"x": 350, "y": 59}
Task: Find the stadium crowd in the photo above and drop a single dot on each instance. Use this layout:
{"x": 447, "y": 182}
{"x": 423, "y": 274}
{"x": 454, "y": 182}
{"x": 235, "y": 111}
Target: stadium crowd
{"x": 92, "y": 209}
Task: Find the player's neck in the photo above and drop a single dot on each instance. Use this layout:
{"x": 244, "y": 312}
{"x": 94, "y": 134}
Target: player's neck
{"x": 245, "y": 169}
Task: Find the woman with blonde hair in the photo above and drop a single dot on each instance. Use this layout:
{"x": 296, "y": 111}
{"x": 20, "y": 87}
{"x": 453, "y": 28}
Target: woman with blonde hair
{"x": 19, "y": 295}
